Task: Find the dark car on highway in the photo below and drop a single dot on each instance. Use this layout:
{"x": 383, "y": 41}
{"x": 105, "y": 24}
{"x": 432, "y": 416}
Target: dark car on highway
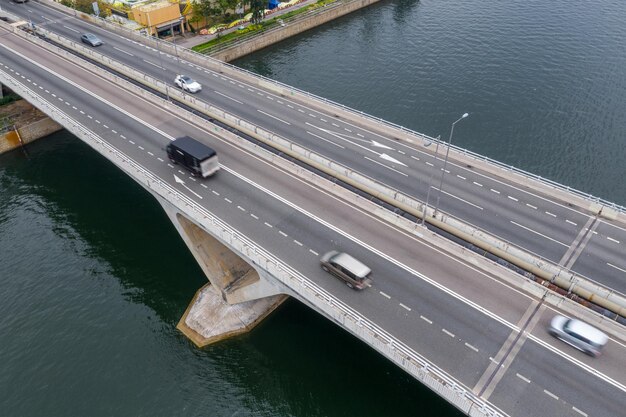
{"x": 90, "y": 39}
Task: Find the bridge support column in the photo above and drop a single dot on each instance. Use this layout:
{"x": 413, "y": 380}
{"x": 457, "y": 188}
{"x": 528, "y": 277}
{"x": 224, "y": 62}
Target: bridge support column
{"x": 236, "y": 298}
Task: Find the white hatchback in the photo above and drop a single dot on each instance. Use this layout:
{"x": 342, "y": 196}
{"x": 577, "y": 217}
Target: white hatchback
{"x": 187, "y": 83}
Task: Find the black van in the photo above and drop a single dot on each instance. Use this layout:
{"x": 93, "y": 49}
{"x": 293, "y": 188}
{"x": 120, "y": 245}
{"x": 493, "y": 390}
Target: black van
{"x": 197, "y": 157}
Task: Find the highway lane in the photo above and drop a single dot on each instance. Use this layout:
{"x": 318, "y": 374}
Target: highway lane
{"x": 401, "y": 264}
{"x": 552, "y": 387}
{"x": 533, "y": 222}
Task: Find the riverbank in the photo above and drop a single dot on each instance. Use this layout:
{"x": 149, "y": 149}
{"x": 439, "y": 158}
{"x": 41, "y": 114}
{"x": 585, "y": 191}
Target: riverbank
{"x": 21, "y": 123}
{"x": 281, "y": 28}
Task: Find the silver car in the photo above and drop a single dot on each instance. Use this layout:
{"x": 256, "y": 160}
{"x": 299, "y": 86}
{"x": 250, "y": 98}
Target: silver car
{"x": 353, "y": 272}
{"x": 91, "y": 39}
{"x": 579, "y": 334}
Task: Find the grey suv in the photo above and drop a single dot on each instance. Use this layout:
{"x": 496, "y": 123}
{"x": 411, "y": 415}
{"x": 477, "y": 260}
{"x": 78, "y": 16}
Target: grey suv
{"x": 578, "y": 334}
{"x": 344, "y": 266}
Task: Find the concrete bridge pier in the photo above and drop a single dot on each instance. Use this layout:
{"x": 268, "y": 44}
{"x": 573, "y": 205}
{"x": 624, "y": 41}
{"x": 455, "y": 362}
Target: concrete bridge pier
{"x": 237, "y": 296}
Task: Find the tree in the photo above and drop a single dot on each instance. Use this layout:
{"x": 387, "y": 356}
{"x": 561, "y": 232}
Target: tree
{"x": 202, "y": 8}
{"x": 257, "y": 7}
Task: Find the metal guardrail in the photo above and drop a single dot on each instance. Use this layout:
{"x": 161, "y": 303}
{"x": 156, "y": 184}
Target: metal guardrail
{"x": 432, "y": 376}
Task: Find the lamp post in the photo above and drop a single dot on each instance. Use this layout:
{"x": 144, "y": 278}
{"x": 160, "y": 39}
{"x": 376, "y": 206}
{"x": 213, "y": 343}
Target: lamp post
{"x": 430, "y": 180}
{"x": 445, "y": 161}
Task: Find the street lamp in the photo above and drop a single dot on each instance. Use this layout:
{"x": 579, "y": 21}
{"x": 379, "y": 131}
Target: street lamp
{"x": 445, "y": 161}
{"x": 430, "y": 180}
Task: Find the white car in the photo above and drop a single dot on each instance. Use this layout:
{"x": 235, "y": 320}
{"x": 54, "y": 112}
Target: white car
{"x": 187, "y": 83}
{"x": 578, "y": 334}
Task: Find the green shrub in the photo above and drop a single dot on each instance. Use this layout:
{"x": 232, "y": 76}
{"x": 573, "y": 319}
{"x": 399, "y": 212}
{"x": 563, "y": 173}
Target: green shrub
{"x": 9, "y": 98}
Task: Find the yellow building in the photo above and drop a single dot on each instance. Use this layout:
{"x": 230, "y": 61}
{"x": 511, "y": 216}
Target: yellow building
{"x": 161, "y": 17}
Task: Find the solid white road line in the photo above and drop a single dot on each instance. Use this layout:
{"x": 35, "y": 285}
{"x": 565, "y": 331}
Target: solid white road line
{"x": 458, "y": 198}
{"x": 274, "y": 117}
{"x": 537, "y": 233}
{"x": 616, "y": 267}
{"x": 393, "y": 169}
{"x": 327, "y": 140}
{"x": 228, "y": 97}
{"x": 123, "y": 51}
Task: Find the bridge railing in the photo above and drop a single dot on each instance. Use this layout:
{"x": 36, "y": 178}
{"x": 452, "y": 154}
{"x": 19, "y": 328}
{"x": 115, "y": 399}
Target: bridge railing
{"x": 429, "y": 374}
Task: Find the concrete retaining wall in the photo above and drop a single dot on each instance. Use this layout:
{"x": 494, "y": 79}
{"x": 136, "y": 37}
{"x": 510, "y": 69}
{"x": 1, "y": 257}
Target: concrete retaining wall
{"x": 28, "y": 133}
{"x": 276, "y": 35}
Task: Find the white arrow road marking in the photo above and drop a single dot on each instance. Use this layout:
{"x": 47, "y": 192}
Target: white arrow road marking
{"x": 371, "y": 142}
{"x": 181, "y": 182}
{"x": 380, "y": 145}
{"x": 390, "y": 159}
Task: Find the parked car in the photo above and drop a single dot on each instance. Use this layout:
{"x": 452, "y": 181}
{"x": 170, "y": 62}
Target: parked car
{"x": 187, "y": 83}
{"x": 579, "y": 334}
{"x": 91, "y": 39}
{"x": 353, "y": 272}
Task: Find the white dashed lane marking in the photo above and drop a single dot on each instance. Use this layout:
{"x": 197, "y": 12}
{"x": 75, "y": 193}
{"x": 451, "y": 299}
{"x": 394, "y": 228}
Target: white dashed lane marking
{"x": 426, "y": 320}
{"x": 447, "y": 332}
{"x": 313, "y": 252}
{"x": 228, "y": 201}
{"x": 550, "y": 394}
{"x": 523, "y": 378}
{"x": 405, "y": 307}
{"x": 550, "y": 214}
{"x": 267, "y": 224}
{"x": 512, "y": 198}
{"x": 477, "y": 183}
{"x": 471, "y": 347}
{"x": 297, "y": 243}
{"x": 282, "y": 233}
{"x": 384, "y": 295}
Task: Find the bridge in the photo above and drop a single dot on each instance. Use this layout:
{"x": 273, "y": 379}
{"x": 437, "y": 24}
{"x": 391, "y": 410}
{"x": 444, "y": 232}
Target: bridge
{"x": 467, "y": 327}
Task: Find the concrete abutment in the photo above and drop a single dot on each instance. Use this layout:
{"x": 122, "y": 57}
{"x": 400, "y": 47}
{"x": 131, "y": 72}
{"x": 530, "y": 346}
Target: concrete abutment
{"x": 237, "y": 297}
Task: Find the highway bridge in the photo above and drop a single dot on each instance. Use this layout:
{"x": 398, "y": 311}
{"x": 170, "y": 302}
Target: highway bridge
{"x": 461, "y": 324}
